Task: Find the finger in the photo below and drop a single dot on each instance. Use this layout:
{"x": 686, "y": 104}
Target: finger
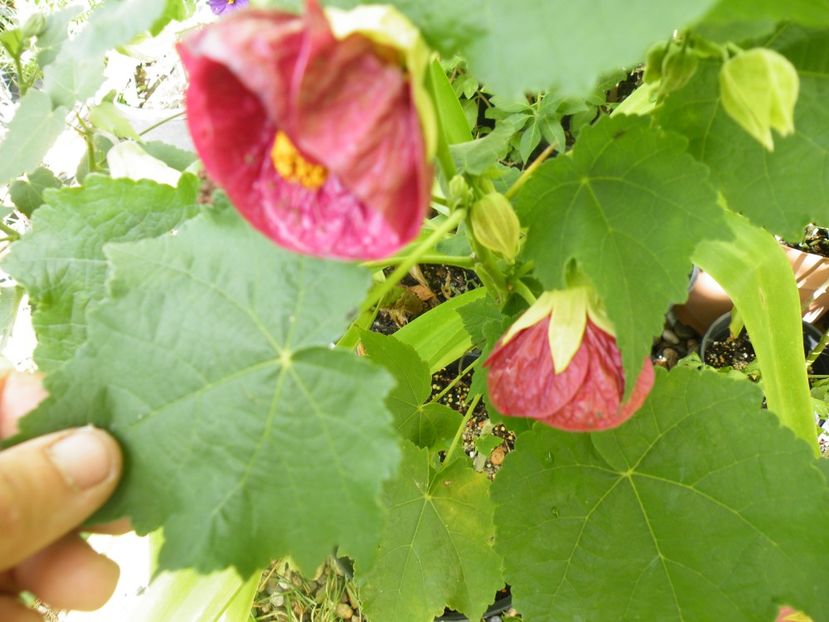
{"x": 12, "y": 610}
{"x": 115, "y": 528}
{"x": 69, "y": 575}
{"x": 19, "y": 393}
{"x": 51, "y": 484}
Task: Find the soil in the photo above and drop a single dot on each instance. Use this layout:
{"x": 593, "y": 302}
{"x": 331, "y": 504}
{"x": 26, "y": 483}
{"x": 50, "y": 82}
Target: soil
{"x": 735, "y": 352}
{"x": 425, "y": 287}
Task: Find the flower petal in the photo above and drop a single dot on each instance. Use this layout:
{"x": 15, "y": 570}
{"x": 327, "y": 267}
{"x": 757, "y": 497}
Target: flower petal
{"x": 354, "y": 112}
{"x": 330, "y": 219}
{"x": 597, "y": 404}
{"x": 520, "y": 376}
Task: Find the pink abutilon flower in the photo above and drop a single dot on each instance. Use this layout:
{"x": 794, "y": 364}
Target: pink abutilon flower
{"x": 559, "y": 363}
{"x": 317, "y": 126}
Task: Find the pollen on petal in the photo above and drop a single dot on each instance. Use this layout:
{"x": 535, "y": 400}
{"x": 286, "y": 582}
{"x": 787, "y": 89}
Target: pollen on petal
{"x": 293, "y": 167}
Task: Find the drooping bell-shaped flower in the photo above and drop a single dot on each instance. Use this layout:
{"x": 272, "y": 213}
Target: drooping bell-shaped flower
{"x": 559, "y": 363}
{"x": 317, "y": 126}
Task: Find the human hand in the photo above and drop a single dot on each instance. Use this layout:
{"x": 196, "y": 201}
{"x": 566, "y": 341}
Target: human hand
{"x": 48, "y": 486}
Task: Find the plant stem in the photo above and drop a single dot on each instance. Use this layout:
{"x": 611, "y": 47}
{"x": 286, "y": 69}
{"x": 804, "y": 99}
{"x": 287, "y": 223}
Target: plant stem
{"x": 528, "y": 172}
{"x": 13, "y": 235}
{"x": 432, "y": 258}
{"x": 378, "y": 293}
{"x": 21, "y": 82}
{"x": 524, "y": 291}
{"x": 162, "y": 122}
{"x": 454, "y": 382}
{"x": 819, "y": 348}
{"x": 456, "y": 442}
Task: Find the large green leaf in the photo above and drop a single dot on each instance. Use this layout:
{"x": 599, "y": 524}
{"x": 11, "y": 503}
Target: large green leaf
{"x": 245, "y": 435}
{"x": 520, "y": 45}
{"x": 61, "y": 262}
{"x": 78, "y": 70}
{"x": 446, "y": 26}
{"x": 629, "y": 205}
{"x": 436, "y": 549}
{"x": 32, "y": 130}
{"x": 806, "y": 12}
{"x": 699, "y": 508}
{"x": 423, "y": 424}
{"x": 537, "y": 44}
{"x": 782, "y": 190}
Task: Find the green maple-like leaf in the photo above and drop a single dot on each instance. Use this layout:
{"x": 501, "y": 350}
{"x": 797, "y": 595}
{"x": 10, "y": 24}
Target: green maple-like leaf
{"x": 436, "y": 549}
{"x": 569, "y": 45}
{"x": 61, "y": 262}
{"x": 555, "y": 43}
{"x": 32, "y": 130}
{"x": 629, "y": 205}
{"x": 425, "y": 425}
{"x": 245, "y": 435}
{"x": 782, "y": 190}
{"x": 806, "y": 12}
{"x": 701, "y": 507}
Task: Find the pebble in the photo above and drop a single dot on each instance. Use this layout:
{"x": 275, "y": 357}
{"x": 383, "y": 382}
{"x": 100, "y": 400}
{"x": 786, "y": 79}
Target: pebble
{"x": 277, "y": 600}
{"x": 671, "y": 357}
{"x": 669, "y": 336}
{"x": 344, "y": 611}
{"x": 497, "y": 455}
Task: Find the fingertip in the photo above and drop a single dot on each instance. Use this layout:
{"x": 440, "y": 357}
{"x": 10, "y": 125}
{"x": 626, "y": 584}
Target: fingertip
{"x": 69, "y": 575}
{"x": 50, "y": 485}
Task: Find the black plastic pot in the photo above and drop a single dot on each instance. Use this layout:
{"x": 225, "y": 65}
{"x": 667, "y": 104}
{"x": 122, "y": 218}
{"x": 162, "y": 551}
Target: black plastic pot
{"x": 718, "y": 331}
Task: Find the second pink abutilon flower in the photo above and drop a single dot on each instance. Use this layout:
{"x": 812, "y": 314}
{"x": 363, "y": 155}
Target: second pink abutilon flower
{"x": 316, "y": 126}
{"x": 559, "y": 363}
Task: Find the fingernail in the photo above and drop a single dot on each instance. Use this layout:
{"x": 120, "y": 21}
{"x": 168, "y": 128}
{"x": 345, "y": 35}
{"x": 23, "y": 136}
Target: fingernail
{"x": 82, "y": 458}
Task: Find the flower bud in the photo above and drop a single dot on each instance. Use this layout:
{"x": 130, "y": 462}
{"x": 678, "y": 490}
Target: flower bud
{"x": 459, "y": 191}
{"x": 653, "y": 62}
{"x": 678, "y": 67}
{"x": 34, "y": 26}
{"x": 495, "y": 225}
{"x": 758, "y": 89}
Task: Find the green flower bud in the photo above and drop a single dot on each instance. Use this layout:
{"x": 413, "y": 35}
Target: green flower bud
{"x": 678, "y": 67}
{"x": 653, "y": 62}
{"x": 495, "y": 225}
{"x": 34, "y": 26}
{"x": 758, "y": 89}
{"x": 459, "y": 191}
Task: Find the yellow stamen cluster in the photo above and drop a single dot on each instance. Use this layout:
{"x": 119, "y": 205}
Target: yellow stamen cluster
{"x": 292, "y": 167}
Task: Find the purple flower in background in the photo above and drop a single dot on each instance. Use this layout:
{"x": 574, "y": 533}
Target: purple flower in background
{"x": 220, "y": 6}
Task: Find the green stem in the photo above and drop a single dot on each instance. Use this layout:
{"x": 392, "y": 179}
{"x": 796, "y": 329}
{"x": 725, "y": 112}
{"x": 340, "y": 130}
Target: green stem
{"x": 487, "y": 269}
{"x": 380, "y": 291}
{"x": 431, "y": 258}
{"x": 528, "y": 172}
{"x": 819, "y": 348}
{"x": 21, "y": 82}
{"x": 162, "y": 122}
{"x": 454, "y": 382}
{"x": 456, "y": 442}
{"x": 13, "y": 235}
{"x": 524, "y": 291}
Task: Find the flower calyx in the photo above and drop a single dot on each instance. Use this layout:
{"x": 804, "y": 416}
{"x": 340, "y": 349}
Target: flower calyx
{"x": 758, "y": 90}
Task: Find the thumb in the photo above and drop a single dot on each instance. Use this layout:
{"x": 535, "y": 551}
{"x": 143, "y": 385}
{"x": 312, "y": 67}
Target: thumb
{"x": 51, "y": 484}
